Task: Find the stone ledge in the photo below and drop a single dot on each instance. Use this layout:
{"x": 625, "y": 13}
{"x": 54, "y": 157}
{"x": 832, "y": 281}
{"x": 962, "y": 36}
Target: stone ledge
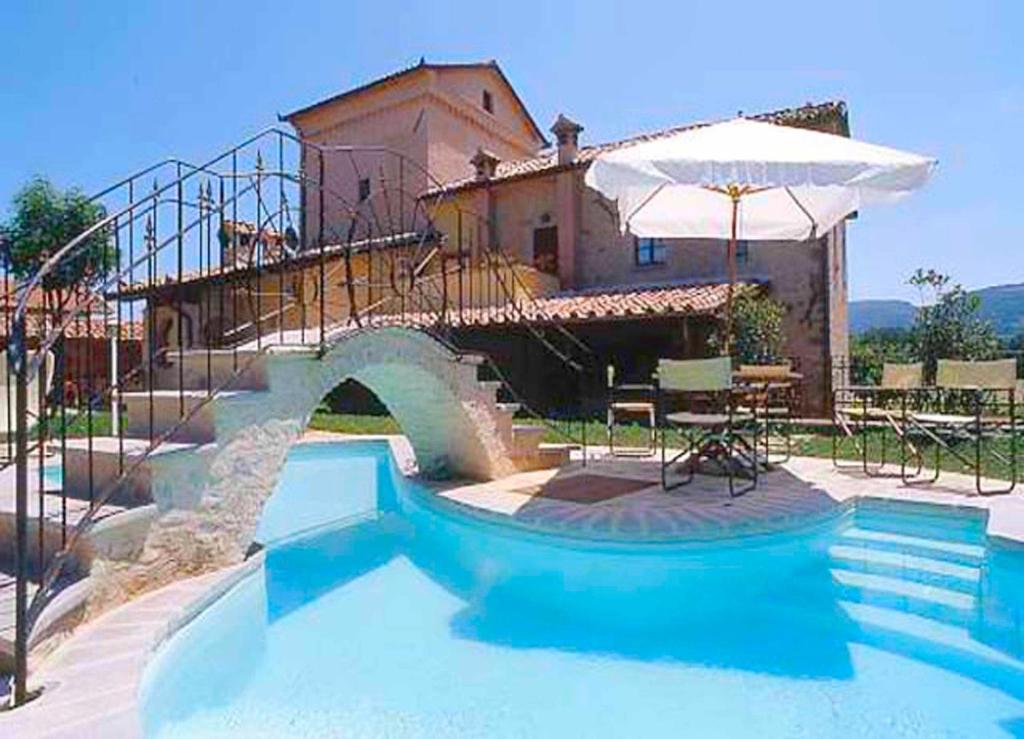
{"x": 91, "y": 682}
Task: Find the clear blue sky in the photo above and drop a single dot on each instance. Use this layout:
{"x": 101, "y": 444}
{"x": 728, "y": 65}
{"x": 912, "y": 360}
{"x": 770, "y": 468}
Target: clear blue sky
{"x": 92, "y": 91}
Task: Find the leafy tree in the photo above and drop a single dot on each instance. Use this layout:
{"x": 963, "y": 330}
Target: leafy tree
{"x": 948, "y": 324}
{"x": 44, "y": 219}
{"x": 757, "y": 337}
{"x": 872, "y": 349}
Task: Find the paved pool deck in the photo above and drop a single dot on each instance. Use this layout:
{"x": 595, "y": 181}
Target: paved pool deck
{"x": 92, "y": 681}
{"x": 791, "y": 494}
{"x": 795, "y": 493}
{"x": 53, "y": 508}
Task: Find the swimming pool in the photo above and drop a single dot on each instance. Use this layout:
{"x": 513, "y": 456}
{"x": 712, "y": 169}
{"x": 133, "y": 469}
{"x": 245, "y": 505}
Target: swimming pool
{"x": 412, "y": 618}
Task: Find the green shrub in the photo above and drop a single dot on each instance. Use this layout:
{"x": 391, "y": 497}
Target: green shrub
{"x": 757, "y": 335}
{"x": 871, "y": 349}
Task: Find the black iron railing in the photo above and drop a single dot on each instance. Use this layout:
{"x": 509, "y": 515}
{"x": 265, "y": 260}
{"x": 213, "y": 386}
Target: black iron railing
{"x": 273, "y": 242}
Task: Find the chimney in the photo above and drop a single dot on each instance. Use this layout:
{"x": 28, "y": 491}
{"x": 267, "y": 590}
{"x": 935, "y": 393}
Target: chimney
{"x": 485, "y": 164}
{"x": 567, "y": 132}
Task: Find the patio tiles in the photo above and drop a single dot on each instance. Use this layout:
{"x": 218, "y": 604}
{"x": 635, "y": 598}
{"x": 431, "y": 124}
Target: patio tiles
{"x": 633, "y": 506}
{"x": 53, "y": 508}
{"x": 795, "y": 494}
{"x": 587, "y": 488}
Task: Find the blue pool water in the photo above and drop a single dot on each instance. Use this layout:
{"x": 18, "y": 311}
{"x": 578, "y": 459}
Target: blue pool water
{"x": 53, "y": 477}
{"x": 410, "y": 618}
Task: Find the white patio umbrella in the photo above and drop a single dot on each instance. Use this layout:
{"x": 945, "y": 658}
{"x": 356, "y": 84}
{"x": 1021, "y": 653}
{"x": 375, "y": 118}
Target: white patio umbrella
{"x": 750, "y": 180}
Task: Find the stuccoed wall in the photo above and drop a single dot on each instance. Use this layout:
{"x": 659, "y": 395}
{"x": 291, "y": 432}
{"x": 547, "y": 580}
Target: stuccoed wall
{"x": 209, "y": 501}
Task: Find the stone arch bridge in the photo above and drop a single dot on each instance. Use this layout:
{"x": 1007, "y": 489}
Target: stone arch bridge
{"x": 209, "y": 481}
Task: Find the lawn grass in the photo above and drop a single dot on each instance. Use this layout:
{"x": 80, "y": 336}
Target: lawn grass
{"x": 80, "y": 424}
{"x": 76, "y": 424}
{"x": 350, "y": 423}
{"x": 807, "y": 442}
{"x": 819, "y": 444}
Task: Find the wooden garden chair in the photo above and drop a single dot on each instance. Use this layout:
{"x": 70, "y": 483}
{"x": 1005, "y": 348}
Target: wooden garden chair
{"x": 770, "y": 394}
{"x": 631, "y": 401}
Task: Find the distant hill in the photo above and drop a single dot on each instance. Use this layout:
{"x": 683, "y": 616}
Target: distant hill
{"x": 868, "y": 314}
{"x": 1002, "y": 304}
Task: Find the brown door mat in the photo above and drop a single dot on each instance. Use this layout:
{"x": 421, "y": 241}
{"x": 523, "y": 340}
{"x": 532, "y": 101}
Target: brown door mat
{"x": 589, "y": 488}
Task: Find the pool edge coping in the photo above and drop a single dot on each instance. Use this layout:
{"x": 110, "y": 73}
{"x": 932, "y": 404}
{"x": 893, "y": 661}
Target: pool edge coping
{"x": 72, "y": 704}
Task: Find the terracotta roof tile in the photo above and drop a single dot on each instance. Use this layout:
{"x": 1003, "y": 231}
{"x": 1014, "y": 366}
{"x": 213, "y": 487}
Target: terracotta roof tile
{"x": 811, "y": 115}
{"x": 642, "y": 301}
{"x": 96, "y": 327}
{"x": 633, "y": 302}
{"x": 34, "y": 316}
{"x": 240, "y": 269}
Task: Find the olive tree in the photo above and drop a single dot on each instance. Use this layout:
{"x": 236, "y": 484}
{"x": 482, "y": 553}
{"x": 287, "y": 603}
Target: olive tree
{"x": 949, "y": 324}
{"x": 43, "y": 220}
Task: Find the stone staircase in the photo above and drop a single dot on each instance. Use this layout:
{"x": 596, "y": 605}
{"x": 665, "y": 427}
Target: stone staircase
{"x": 193, "y": 395}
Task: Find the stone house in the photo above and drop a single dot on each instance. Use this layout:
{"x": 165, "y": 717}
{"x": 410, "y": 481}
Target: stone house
{"x": 436, "y": 168}
{"x": 87, "y": 349}
{"x": 633, "y": 299}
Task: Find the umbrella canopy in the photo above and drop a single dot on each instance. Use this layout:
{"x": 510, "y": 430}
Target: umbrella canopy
{"x": 750, "y": 180}
{"x": 789, "y": 183}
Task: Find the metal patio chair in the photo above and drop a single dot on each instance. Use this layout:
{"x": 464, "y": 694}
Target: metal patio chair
{"x": 769, "y": 393}
{"x": 631, "y": 401}
{"x": 975, "y": 403}
{"x": 858, "y": 411}
{"x": 713, "y": 429}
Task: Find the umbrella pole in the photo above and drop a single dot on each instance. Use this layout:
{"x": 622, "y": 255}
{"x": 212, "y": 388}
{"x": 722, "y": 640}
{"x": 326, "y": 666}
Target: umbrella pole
{"x": 730, "y": 257}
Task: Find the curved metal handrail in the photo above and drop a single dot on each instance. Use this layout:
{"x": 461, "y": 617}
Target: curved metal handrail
{"x": 441, "y": 192}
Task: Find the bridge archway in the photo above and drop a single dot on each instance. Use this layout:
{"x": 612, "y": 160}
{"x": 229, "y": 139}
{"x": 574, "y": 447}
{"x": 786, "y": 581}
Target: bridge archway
{"x": 208, "y": 503}
{"x": 435, "y": 396}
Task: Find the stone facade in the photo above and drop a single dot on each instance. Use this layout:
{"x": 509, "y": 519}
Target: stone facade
{"x": 501, "y": 189}
{"x": 434, "y": 116}
{"x": 809, "y": 278}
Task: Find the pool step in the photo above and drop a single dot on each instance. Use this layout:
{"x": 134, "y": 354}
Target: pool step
{"x": 967, "y": 554}
{"x": 153, "y": 413}
{"x": 920, "y": 522}
{"x": 909, "y": 632}
{"x": 905, "y": 596}
{"x": 90, "y": 469}
{"x": 925, "y": 570}
{"x": 904, "y": 589}
{"x": 491, "y": 387}
{"x": 200, "y": 369}
{"x": 545, "y": 457}
{"x": 908, "y": 582}
{"x": 477, "y": 360}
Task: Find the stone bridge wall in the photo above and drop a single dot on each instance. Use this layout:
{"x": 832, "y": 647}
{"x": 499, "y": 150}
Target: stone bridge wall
{"x": 208, "y": 502}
